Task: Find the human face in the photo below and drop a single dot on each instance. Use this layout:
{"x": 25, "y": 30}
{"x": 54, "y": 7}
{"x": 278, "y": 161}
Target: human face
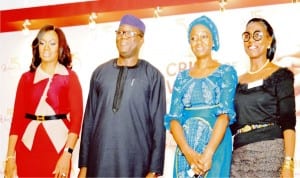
{"x": 129, "y": 41}
{"x": 256, "y": 40}
{"x": 201, "y": 41}
{"x": 48, "y": 47}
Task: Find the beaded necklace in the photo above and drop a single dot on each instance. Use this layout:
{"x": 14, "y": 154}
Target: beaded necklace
{"x": 260, "y": 69}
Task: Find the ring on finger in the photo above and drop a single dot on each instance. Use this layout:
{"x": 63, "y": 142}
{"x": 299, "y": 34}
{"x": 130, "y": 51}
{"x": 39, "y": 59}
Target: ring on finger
{"x": 63, "y": 174}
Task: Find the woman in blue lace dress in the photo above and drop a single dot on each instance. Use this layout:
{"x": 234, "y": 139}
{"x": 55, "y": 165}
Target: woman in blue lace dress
{"x": 202, "y": 108}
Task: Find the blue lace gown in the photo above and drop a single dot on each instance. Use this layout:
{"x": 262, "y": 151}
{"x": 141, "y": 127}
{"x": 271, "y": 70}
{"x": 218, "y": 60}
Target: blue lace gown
{"x": 196, "y": 104}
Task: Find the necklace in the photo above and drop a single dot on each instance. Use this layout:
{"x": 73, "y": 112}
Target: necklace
{"x": 260, "y": 69}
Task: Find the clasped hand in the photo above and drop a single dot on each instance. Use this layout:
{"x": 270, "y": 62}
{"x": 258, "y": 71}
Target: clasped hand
{"x": 200, "y": 163}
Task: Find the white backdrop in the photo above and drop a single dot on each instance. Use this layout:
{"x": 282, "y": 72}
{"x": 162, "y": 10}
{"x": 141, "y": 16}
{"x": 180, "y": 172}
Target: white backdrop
{"x": 166, "y": 46}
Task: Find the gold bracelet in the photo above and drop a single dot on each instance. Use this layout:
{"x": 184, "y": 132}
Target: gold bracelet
{"x": 288, "y": 158}
{"x": 10, "y": 157}
{"x": 288, "y": 164}
{"x": 288, "y": 167}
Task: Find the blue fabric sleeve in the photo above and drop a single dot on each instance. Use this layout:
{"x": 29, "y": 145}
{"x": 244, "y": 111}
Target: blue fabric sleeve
{"x": 176, "y": 106}
{"x": 228, "y": 87}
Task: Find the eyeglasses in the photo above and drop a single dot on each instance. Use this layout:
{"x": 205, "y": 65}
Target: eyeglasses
{"x": 127, "y": 34}
{"x": 257, "y": 36}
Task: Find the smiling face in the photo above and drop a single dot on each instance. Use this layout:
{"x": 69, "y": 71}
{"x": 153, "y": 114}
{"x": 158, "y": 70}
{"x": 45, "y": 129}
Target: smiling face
{"x": 201, "y": 41}
{"x": 256, "y": 40}
{"x": 129, "y": 41}
{"x": 49, "y": 47}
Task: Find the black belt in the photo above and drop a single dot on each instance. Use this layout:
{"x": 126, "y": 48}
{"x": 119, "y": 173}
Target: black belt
{"x": 44, "y": 118}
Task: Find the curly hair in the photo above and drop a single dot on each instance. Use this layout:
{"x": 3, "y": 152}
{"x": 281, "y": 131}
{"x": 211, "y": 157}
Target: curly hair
{"x": 64, "y": 56}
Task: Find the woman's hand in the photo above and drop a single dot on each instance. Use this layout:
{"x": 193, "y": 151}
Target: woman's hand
{"x": 287, "y": 172}
{"x": 206, "y": 160}
{"x": 10, "y": 170}
{"x": 62, "y": 168}
{"x": 194, "y": 159}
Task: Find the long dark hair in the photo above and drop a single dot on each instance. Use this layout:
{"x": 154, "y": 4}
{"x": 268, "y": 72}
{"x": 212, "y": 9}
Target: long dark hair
{"x": 64, "y": 56}
{"x": 270, "y": 51}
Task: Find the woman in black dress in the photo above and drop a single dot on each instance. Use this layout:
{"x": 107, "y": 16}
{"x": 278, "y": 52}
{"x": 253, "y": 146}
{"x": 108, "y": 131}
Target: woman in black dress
{"x": 264, "y": 141}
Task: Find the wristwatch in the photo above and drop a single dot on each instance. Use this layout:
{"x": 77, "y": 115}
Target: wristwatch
{"x": 69, "y": 150}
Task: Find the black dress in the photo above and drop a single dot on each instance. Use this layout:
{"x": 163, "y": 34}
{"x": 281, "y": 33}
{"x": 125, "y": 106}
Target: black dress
{"x": 260, "y": 151}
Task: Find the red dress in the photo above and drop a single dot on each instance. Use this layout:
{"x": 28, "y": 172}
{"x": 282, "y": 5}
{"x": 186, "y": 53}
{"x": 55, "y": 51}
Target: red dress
{"x": 40, "y": 143}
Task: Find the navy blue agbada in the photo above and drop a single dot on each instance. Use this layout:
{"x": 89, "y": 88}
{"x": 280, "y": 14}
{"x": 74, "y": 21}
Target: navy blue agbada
{"x": 123, "y": 133}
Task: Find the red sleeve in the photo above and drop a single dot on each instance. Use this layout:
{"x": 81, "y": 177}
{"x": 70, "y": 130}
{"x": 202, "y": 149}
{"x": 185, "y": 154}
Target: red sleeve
{"x": 19, "y": 122}
{"x": 76, "y": 103}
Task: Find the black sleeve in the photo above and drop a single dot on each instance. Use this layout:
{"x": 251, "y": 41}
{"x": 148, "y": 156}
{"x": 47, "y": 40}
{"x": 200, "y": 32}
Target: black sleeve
{"x": 286, "y": 101}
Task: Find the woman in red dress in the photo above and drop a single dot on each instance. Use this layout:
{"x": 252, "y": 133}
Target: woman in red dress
{"x": 47, "y": 112}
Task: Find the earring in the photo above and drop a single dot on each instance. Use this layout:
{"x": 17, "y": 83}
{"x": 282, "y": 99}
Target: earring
{"x": 270, "y": 53}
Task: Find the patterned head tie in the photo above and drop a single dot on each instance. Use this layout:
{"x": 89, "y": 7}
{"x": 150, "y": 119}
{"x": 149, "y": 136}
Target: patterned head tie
{"x": 208, "y": 23}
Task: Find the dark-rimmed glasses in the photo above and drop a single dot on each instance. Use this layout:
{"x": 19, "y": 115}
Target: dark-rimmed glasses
{"x": 257, "y": 36}
{"x": 127, "y": 34}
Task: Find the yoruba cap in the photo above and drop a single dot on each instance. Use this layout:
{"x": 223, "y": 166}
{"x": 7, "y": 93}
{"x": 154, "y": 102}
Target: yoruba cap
{"x": 133, "y": 21}
{"x": 208, "y": 23}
